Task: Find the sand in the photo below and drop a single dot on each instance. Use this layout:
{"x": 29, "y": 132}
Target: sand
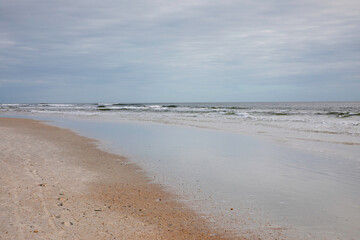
{"x": 55, "y": 184}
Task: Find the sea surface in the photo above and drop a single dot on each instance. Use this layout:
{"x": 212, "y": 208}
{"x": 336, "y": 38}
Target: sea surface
{"x": 279, "y": 169}
{"x": 319, "y": 117}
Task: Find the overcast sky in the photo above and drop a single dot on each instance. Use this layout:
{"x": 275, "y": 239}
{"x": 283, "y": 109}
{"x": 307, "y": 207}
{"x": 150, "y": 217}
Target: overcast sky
{"x": 179, "y": 51}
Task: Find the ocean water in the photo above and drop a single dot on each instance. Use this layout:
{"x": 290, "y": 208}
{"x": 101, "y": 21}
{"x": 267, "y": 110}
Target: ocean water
{"x": 326, "y": 117}
{"x": 288, "y": 166}
{"x": 331, "y": 128}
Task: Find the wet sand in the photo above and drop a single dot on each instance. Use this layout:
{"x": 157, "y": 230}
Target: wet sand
{"x": 55, "y": 184}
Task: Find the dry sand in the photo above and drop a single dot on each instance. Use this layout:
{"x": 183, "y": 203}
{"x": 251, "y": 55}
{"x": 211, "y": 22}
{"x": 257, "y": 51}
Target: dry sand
{"x": 55, "y": 184}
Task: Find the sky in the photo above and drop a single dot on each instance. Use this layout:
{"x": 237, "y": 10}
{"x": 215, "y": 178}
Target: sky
{"x": 179, "y": 51}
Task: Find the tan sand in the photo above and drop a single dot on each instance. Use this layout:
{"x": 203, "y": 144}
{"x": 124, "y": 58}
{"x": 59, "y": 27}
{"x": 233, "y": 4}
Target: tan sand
{"x": 55, "y": 184}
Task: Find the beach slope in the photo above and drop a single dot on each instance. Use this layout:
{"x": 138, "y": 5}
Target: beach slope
{"x": 55, "y": 184}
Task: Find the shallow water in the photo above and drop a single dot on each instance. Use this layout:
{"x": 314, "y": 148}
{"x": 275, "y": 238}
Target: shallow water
{"x": 268, "y": 185}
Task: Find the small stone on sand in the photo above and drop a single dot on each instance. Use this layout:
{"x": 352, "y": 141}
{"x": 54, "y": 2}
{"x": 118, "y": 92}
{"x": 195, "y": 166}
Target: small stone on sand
{"x": 66, "y": 224}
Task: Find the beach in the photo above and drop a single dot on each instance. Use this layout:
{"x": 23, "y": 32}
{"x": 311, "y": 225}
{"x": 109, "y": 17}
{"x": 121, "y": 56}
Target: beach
{"x": 58, "y": 185}
{"x": 186, "y": 171}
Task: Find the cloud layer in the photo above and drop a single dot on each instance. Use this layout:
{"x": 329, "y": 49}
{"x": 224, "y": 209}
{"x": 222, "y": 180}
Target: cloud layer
{"x": 162, "y": 50}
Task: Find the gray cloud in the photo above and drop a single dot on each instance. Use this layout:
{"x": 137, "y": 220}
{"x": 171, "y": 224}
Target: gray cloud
{"x": 179, "y": 51}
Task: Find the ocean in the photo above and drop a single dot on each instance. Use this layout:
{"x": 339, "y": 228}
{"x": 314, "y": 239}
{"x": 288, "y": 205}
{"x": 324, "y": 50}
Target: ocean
{"x": 289, "y": 167}
{"x": 327, "y": 117}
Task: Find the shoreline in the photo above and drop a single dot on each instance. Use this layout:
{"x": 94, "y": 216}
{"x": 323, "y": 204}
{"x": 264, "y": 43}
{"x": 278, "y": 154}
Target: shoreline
{"x": 59, "y": 185}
